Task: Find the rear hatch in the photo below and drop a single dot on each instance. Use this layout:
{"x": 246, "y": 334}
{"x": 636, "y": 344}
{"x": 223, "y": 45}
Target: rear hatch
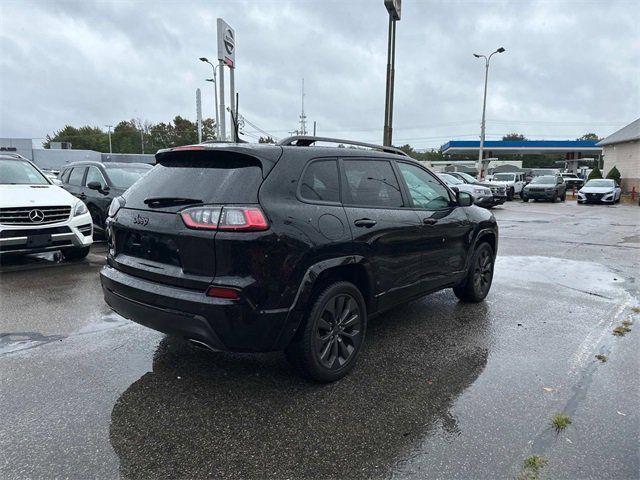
{"x": 150, "y": 238}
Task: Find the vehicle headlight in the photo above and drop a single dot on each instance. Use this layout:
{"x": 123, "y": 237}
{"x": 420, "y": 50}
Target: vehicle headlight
{"x": 610, "y": 193}
{"x": 116, "y": 204}
{"x": 80, "y": 209}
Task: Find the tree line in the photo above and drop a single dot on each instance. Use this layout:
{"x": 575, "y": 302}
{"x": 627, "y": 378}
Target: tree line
{"x": 134, "y": 136}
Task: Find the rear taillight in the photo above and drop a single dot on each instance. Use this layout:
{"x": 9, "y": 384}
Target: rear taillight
{"x": 222, "y": 292}
{"x": 225, "y": 218}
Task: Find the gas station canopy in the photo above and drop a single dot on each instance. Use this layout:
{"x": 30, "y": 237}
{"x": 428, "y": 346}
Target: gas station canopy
{"x": 569, "y": 148}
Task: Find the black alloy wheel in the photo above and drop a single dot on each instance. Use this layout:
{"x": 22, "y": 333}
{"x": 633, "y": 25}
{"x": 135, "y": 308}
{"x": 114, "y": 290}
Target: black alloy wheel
{"x": 477, "y": 283}
{"x": 330, "y": 338}
{"x": 483, "y": 271}
{"x": 338, "y": 331}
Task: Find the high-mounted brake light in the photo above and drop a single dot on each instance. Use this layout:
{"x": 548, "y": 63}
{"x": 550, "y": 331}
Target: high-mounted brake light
{"x": 188, "y": 147}
{"x": 221, "y": 292}
{"x": 236, "y": 218}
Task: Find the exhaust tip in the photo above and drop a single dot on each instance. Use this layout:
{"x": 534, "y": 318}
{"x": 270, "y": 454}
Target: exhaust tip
{"x": 202, "y": 345}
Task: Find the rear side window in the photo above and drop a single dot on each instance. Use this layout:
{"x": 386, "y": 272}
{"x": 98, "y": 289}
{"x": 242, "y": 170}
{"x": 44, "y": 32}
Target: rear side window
{"x": 65, "y": 175}
{"x": 371, "y": 183}
{"x": 320, "y": 182}
{"x": 75, "y": 178}
{"x": 212, "y": 177}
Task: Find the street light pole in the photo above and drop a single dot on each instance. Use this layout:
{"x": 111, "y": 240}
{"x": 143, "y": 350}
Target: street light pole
{"x": 109, "y": 127}
{"x": 215, "y": 90}
{"x": 480, "y": 166}
{"x": 393, "y": 7}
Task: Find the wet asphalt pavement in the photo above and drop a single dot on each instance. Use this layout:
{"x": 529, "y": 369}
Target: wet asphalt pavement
{"x": 443, "y": 389}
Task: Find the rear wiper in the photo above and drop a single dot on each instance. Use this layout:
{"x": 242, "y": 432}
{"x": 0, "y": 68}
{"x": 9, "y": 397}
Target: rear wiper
{"x": 170, "y": 201}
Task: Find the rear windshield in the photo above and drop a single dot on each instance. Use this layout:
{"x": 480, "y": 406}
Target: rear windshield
{"x": 220, "y": 177}
{"x": 124, "y": 177}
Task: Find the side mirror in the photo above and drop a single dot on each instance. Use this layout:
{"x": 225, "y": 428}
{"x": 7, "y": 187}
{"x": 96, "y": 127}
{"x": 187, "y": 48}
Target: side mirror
{"x": 94, "y": 186}
{"x": 465, "y": 199}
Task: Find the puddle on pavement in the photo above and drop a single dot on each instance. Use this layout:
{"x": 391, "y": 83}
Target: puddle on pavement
{"x": 17, "y": 341}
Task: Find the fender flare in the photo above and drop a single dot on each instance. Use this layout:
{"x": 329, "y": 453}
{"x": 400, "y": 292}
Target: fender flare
{"x": 295, "y": 312}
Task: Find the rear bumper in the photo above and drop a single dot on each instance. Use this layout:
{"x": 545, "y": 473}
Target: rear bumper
{"x": 222, "y": 324}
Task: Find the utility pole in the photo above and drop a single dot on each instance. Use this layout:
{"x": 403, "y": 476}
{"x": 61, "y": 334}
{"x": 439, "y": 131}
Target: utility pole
{"x": 142, "y": 140}
{"x": 303, "y": 117}
{"x": 393, "y": 7}
{"x": 480, "y": 165}
{"x": 215, "y": 93}
{"x": 199, "y": 114}
{"x": 109, "y": 127}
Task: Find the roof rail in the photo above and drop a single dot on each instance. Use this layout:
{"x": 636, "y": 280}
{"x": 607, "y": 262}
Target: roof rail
{"x": 307, "y": 140}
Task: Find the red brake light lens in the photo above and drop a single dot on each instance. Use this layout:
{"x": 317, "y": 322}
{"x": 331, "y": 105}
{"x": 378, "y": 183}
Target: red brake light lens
{"x": 225, "y": 218}
{"x": 188, "y": 147}
{"x": 221, "y": 292}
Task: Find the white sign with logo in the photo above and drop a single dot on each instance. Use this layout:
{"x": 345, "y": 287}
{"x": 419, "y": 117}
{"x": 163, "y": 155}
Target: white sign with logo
{"x": 226, "y": 43}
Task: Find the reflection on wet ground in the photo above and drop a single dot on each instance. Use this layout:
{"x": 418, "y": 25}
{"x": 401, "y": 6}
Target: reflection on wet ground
{"x": 243, "y": 416}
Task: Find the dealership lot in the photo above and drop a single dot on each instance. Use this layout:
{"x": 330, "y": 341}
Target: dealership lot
{"x": 443, "y": 389}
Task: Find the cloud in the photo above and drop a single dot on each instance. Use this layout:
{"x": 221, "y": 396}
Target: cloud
{"x": 570, "y": 66}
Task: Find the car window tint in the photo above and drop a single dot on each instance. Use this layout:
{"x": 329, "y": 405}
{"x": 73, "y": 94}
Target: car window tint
{"x": 64, "y": 176}
{"x": 75, "y": 178}
{"x": 371, "y": 183}
{"x": 425, "y": 191}
{"x": 320, "y": 181}
{"x": 94, "y": 175}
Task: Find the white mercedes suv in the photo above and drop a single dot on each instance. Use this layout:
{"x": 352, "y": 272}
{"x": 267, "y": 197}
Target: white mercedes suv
{"x": 38, "y": 216}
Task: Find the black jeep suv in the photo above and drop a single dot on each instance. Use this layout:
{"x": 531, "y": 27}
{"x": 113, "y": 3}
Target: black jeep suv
{"x": 293, "y": 247}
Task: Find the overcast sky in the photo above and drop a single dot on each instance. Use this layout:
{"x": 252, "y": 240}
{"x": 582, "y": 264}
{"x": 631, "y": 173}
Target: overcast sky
{"x": 570, "y": 67}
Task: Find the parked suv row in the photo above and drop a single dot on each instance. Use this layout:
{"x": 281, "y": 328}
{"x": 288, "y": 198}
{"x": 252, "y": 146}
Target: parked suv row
{"x": 289, "y": 247}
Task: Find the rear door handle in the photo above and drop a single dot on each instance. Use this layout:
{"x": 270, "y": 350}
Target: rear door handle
{"x": 429, "y": 221}
{"x": 364, "y": 222}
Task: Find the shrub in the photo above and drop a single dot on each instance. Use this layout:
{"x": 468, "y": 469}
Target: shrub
{"x": 614, "y": 174}
{"x": 595, "y": 173}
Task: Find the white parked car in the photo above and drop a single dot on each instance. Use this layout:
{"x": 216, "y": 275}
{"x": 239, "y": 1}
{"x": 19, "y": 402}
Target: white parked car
{"x": 38, "y": 216}
{"x": 513, "y": 182}
{"x": 482, "y": 196}
{"x": 601, "y": 190}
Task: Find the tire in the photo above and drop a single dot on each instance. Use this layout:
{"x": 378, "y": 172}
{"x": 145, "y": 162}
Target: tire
{"x": 96, "y": 217}
{"x": 75, "y": 253}
{"x": 98, "y": 222}
{"x": 510, "y": 194}
{"x": 477, "y": 283}
{"x": 525, "y": 199}
{"x": 563, "y": 197}
{"x": 332, "y": 335}
{"x": 555, "y": 197}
